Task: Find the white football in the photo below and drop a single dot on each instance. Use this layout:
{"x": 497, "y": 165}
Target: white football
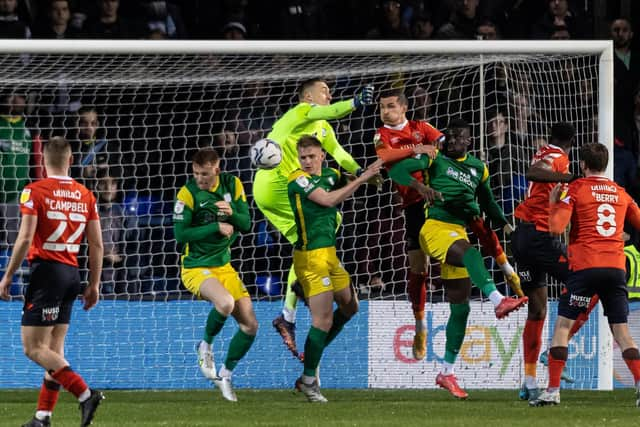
{"x": 265, "y": 154}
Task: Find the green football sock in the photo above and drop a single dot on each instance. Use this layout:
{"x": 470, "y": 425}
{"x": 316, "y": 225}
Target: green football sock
{"x": 238, "y": 347}
{"x": 291, "y": 299}
{"x": 456, "y": 328}
{"x": 480, "y": 277}
{"x": 313, "y": 349}
{"x": 215, "y": 322}
{"x": 339, "y": 320}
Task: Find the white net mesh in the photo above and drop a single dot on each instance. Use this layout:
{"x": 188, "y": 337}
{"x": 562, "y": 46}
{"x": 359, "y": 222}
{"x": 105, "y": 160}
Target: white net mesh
{"x": 155, "y": 111}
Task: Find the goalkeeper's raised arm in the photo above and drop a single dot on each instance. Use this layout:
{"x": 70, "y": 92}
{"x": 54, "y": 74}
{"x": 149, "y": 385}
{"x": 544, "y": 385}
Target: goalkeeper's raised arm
{"x": 310, "y": 117}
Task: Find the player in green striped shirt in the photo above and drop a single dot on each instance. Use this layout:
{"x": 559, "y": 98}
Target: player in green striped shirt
{"x": 314, "y": 192}
{"x": 458, "y": 192}
{"x": 309, "y": 117}
{"x": 209, "y": 211}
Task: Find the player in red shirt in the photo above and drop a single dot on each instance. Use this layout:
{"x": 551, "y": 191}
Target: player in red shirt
{"x": 596, "y": 207}
{"x": 537, "y": 252}
{"x": 398, "y": 139}
{"x": 56, "y": 213}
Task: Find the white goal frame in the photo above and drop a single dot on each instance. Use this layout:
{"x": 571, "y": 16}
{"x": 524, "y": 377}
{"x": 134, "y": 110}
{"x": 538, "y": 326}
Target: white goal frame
{"x": 604, "y": 49}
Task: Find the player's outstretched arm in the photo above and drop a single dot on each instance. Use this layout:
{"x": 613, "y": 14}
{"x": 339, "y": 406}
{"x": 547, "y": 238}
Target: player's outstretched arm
{"x": 340, "y": 109}
{"x": 542, "y": 172}
{"x": 331, "y": 145}
{"x": 401, "y": 171}
{"x": 20, "y": 249}
{"x": 332, "y": 198}
{"x": 96, "y": 255}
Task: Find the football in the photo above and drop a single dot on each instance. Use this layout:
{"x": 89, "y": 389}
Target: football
{"x": 265, "y": 154}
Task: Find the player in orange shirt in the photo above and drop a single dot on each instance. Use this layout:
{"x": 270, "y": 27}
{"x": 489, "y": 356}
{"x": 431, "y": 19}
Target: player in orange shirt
{"x": 398, "y": 139}
{"x": 596, "y": 207}
{"x": 56, "y": 212}
{"x": 538, "y": 253}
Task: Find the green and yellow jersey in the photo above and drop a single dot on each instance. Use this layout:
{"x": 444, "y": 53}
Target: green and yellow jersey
{"x": 196, "y": 218}
{"x": 316, "y": 224}
{"x": 463, "y": 183}
{"x": 308, "y": 119}
{"x": 15, "y": 151}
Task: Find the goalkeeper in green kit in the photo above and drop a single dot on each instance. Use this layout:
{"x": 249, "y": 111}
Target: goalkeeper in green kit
{"x": 309, "y": 117}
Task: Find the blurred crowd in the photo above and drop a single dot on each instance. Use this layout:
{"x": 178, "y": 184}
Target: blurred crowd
{"x": 132, "y": 143}
{"x": 306, "y": 19}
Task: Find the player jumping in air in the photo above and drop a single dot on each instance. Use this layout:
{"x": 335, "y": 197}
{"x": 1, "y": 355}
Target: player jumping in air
{"x": 309, "y": 117}
{"x": 398, "y": 139}
{"x": 458, "y": 192}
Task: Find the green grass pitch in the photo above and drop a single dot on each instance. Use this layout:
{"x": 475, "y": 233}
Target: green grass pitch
{"x": 345, "y": 408}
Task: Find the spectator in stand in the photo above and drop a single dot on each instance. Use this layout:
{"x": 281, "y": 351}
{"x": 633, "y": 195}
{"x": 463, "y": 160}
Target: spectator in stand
{"x": 522, "y": 124}
{"x": 463, "y": 21}
{"x": 422, "y": 26}
{"x": 390, "y": 25}
{"x": 56, "y": 23}
{"x": 422, "y": 105}
{"x": 626, "y": 72}
{"x": 112, "y": 216}
{"x": 234, "y": 31}
{"x": 91, "y": 152}
{"x": 161, "y": 16}
{"x": 625, "y": 165}
{"x": 487, "y": 30}
{"x": 11, "y": 27}
{"x": 560, "y": 32}
{"x": 15, "y": 154}
{"x": 109, "y": 24}
{"x": 507, "y": 174}
{"x": 636, "y": 117}
{"x": 559, "y": 15}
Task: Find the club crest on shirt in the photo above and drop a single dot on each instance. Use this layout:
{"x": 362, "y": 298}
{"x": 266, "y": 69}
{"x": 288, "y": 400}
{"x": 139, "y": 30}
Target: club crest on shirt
{"x": 227, "y": 197}
{"x": 25, "y": 195}
{"x": 417, "y": 136}
{"x": 376, "y": 140}
{"x": 179, "y": 207}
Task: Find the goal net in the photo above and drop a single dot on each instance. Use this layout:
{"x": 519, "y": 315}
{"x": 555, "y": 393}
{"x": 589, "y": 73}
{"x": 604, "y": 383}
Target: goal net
{"x": 136, "y": 113}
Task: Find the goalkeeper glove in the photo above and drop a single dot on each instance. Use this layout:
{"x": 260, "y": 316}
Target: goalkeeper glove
{"x": 364, "y": 97}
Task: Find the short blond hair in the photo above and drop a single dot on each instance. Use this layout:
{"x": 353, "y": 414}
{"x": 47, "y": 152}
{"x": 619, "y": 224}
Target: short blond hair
{"x": 57, "y": 152}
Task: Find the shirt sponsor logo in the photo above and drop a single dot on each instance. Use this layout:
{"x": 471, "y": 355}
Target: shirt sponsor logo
{"x": 460, "y": 176}
{"x": 67, "y": 194}
{"x": 50, "y": 314}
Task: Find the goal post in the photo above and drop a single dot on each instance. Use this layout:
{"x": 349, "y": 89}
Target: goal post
{"x": 159, "y": 101}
